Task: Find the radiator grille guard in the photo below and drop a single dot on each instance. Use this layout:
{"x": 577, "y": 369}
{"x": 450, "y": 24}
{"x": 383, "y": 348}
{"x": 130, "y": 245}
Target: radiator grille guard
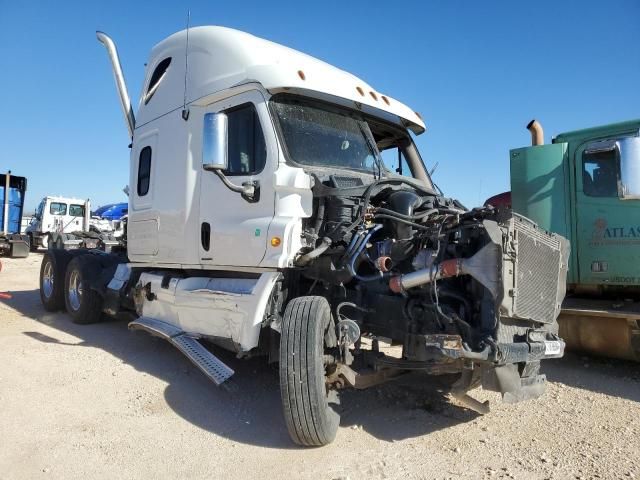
{"x": 534, "y": 271}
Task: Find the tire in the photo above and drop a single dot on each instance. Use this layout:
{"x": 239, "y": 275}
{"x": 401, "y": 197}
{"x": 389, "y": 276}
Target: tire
{"x": 32, "y": 244}
{"x": 59, "y": 243}
{"x": 84, "y": 304}
{"x": 52, "y": 282}
{"x": 46, "y": 240}
{"x": 309, "y": 418}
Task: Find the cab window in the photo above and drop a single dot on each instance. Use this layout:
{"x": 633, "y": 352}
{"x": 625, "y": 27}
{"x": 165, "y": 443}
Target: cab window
{"x": 57, "y": 208}
{"x": 76, "y": 210}
{"x": 395, "y": 162}
{"x": 39, "y": 210}
{"x": 600, "y": 173}
{"x": 247, "y": 151}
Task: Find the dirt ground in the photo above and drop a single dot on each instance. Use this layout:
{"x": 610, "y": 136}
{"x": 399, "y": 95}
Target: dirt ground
{"x": 98, "y": 401}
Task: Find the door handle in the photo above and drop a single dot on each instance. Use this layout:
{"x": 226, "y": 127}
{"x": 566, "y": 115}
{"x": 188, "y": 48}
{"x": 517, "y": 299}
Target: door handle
{"x": 205, "y": 236}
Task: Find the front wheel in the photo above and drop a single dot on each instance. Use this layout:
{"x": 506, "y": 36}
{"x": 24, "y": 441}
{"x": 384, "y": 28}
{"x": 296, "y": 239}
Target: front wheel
{"x": 310, "y": 420}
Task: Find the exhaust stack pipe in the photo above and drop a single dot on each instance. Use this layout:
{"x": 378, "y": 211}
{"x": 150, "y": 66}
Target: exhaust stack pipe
{"x": 125, "y": 101}
{"x": 537, "y": 133}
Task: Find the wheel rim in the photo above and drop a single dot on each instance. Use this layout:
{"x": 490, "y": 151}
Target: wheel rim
{"x": 75, "y": 290}
{"x": 47, "y": 280}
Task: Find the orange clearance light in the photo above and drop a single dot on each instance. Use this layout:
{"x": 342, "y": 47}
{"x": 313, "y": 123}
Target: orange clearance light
{"x": 386, "y": 100}
{"x": 418, "y": 115}
{"x": 360, "y": 91}
{"x": 275, "y": 241}
{"x": 301, "y": 75}
{"x": 374, "y": 96}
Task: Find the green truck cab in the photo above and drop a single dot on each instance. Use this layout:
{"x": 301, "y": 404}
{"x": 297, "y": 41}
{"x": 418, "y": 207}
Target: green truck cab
{"x": 585, "y": 186}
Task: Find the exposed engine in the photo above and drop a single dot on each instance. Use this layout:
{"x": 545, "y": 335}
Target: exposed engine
{"x": 470, "y": 284}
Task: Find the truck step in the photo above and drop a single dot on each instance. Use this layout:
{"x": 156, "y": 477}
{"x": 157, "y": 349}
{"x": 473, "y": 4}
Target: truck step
{"x": 210, "y": 365}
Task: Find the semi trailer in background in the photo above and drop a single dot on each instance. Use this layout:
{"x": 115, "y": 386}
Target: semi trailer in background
{"x": 12, "y": 192}
{"x": 585, "y": 186}
{"x": 263, "y": 219}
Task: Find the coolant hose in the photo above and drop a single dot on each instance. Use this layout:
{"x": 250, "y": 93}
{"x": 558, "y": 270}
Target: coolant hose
{"x": 305, "y": 259}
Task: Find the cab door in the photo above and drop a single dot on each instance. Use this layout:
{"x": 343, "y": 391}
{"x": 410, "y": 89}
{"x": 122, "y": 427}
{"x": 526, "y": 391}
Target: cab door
{"x": 233, "y": 228}
{"x": 608, "y": 227}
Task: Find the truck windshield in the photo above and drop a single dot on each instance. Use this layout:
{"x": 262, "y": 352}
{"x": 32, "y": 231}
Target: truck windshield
{"x": 325, "y": 136}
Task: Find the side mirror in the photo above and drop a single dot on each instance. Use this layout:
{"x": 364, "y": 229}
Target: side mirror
{"x": 629, "y": 150}
{"x": 214, "y": 142}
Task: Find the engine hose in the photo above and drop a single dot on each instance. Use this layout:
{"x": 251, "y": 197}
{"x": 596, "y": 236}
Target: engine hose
{"x": 305, "y": 259}
{"x": 369, "y": 191}
{"x": 319, "y": 215}
{"x": 401, "y": 220}
{"x": 417, "y": 216}
{"x": 351, "y": 266}
{"x": 355, "y": 243}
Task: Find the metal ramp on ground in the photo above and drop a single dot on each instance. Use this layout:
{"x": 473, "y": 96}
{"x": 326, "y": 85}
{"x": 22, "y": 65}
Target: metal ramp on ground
{"x": 211, "y": 366}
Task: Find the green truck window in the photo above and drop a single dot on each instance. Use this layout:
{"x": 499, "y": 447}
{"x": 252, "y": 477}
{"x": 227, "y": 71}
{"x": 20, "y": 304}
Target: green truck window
{"x": 600, "y": 174}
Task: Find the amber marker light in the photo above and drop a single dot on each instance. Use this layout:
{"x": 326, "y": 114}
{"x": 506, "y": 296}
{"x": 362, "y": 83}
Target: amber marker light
{"x": 302, "y": 75}
{"x": 275, "y": 241}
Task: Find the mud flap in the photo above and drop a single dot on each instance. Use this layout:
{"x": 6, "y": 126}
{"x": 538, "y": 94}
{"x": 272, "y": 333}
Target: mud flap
{"x": 506, "y": 380}
{"x": 18, "y": 248}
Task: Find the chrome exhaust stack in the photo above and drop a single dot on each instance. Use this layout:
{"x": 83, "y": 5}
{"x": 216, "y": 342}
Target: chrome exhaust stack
{"x": 125, "y": 101}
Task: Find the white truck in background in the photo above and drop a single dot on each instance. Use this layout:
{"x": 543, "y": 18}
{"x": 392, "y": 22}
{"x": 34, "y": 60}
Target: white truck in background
{"x": 263, "y": 219}
{"x": 66, "y": 223}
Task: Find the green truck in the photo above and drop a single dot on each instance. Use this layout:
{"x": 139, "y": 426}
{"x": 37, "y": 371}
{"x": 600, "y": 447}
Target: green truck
{"x": 585, "y": 186}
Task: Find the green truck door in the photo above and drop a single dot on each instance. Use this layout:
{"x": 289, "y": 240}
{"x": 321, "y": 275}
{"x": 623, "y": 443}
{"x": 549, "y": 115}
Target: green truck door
{"x": 608, "y": 228}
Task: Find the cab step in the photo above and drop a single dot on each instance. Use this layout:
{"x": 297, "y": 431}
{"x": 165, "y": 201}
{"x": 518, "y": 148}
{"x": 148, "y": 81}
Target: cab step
{"x": 211, "y": 366}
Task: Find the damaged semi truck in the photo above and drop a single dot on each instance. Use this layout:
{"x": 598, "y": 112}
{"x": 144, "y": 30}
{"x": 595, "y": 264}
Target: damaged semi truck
{"x": 263, "y": 219}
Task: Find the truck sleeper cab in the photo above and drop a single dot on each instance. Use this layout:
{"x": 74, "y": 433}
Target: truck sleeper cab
{"x": 283, "y": 210}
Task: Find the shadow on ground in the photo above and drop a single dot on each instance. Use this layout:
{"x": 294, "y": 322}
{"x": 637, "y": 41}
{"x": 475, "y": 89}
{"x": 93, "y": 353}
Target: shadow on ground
{"x": 249, "y": 412}
{"x": 619, "y": 378}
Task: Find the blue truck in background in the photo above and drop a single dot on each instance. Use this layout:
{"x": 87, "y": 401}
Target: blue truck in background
{"x": 12, "y": 193}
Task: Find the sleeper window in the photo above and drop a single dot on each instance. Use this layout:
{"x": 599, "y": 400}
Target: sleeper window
{"x": 247, "y": 151}
{"x": 156, "y": 77}
{"x": 144, "y": 171}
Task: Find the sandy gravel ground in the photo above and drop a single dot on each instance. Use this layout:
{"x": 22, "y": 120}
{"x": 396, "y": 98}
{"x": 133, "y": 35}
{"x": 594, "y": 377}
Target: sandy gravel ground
{"x": 98, "y": 401}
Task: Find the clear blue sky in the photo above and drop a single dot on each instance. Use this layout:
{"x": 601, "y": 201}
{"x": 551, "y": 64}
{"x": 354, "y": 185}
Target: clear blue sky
{"x": 477, "y": 71}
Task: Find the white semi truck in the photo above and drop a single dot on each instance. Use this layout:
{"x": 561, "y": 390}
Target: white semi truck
{"x": 66, "y": 223}
{"x": 263, "y": 219}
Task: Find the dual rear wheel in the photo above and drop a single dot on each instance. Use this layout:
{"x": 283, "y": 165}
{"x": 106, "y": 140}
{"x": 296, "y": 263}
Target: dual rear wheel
{"x": 65, "y": 283}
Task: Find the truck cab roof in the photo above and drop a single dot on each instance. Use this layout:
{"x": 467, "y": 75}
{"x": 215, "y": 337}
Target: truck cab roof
{"x": 220, "y": 58}
{"x": 602, "y": 131}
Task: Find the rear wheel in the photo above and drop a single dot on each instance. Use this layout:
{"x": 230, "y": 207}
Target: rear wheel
{"x": 310, "y": 420}
{"x": 33, "y": 247}
{"x": 52, "y": 282}
{"x": 84, "y": 304}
